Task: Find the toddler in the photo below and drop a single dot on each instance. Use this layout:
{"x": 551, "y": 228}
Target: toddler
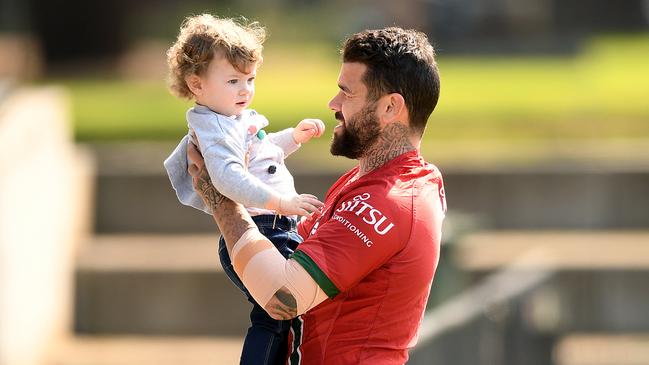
{"x": 214, "y": 62}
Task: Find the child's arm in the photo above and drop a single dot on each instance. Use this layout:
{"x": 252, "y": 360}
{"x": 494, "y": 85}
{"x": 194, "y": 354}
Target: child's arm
{"x": 307, "y": 129}
{"x": 290, "y": 139}
{"x": 236, "y": 183}
{"x": 224, "y": 153}
{"x": 222, "y": 144}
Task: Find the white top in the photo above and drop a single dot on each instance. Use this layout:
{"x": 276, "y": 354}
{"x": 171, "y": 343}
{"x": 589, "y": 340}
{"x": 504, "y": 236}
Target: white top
{"x": 225, "y": 142}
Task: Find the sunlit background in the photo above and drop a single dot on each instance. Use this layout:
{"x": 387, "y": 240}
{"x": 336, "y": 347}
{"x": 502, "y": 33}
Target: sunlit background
{"x": 541, "y": 131}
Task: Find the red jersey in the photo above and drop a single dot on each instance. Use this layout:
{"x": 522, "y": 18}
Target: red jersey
{"x": 373, "y": 249}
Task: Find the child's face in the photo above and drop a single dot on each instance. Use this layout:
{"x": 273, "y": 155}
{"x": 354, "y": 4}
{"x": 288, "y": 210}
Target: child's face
{"x": 226, "y": 90}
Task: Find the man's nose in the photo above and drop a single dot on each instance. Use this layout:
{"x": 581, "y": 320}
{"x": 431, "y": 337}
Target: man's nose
{"x": 334, "y": 103}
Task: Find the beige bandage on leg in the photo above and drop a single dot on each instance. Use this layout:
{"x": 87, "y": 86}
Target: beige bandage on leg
{"x": 263, "y": 270}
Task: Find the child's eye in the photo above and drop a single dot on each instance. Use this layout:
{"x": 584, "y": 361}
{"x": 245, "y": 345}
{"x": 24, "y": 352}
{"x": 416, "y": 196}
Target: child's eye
{"x": 233, "y": 81}
{"x": 251, "y": 79}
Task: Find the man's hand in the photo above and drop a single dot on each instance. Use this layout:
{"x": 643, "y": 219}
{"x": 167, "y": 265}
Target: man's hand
{"x": 307, "y": 129}
{"x": 201, "y": 179}
{"x": 303, "y": 204}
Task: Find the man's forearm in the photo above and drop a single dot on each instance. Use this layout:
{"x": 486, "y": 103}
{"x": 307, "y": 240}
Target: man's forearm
{"x": 232, "y": 218}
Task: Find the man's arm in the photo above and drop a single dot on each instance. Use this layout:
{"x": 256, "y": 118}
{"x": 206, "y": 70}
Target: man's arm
{"x": 236, "y": 226}
{"x": 232, "y": 218}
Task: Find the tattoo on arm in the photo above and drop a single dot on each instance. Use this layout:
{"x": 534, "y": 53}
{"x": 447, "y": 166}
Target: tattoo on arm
{"x": 212, "y": 197}
{"x": 282, "y": 305}
{"x": 232, "y": 218}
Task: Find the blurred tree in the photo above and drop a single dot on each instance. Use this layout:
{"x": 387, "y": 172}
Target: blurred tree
{"x": 600, "y": 15}
{"x": 71, "y": 30}
{"x": 13, "y": 16}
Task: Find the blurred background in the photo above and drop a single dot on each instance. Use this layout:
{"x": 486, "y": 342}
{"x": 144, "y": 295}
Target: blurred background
{"x": 542, "y": 133}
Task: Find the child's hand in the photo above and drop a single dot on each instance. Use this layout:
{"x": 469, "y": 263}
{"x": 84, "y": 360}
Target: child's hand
{"x": 308, "y": 128}
{"x": 303, "y": 204}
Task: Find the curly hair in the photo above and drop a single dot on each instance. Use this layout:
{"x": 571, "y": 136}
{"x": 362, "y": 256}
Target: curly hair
{"x": 398, "y": 61}
{"x": 203, "y": 36}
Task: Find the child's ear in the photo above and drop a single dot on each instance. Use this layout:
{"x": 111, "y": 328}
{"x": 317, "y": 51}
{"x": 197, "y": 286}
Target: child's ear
{"x": 195, "y": 84}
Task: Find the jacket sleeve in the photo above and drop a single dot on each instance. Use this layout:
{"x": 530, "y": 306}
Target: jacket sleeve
{"x": 284, "y": 139}
{"x": 223, "y": 147}
{"x": 176, "y": 166}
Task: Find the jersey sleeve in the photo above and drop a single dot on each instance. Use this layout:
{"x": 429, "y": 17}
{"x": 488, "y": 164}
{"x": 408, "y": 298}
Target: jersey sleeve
{"x": 363, "y": 233}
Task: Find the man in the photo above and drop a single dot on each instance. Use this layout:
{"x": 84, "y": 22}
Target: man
{"x": 360, "y": 281}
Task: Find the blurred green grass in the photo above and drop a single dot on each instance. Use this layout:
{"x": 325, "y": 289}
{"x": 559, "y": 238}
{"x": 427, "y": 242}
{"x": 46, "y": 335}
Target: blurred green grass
{"x": 600, "y": 93}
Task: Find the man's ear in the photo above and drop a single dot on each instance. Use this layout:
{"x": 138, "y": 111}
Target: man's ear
{"x": 195, "y": 84}
{"x": 391, "y": 108}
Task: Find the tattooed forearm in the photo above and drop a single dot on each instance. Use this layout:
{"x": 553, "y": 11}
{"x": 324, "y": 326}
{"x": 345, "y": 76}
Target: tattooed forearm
{"x": 282, "y": 305}
{"x": 203, "y": 186}
{"x": 393, "y": 142}
{"x": 232, "y": 218}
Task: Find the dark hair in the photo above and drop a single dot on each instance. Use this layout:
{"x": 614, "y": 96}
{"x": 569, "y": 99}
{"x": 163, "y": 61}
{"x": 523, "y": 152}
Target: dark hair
{"x": 398, "y": 61}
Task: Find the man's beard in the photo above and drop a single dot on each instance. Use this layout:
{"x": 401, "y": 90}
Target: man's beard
{"x": 357, "y": 134}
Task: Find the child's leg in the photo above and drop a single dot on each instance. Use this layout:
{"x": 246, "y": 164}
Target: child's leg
{"x": 226, "y": 264}
{"x": 266, "y": 341}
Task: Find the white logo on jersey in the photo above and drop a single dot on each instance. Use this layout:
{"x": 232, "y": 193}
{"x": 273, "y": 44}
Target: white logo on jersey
{"x": 371, "y": 215}
{"x": 368, "y": 242}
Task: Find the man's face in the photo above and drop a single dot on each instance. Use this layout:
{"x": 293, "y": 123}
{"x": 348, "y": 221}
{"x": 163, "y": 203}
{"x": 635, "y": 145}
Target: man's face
{"x": 358, "y": 127}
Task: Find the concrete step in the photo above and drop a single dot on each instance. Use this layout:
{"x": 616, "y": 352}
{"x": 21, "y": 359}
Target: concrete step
{"x": 599, "y": 281}
{"x": 603, "y": 349}
{"x": 138, "y": 350}
{"x": 158, "y": 285}
{"x": 564, "y": 250}
{"x": 134, "y": 195}
{"x": 535, "y": 289}
{"x": 500, "y": 200}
